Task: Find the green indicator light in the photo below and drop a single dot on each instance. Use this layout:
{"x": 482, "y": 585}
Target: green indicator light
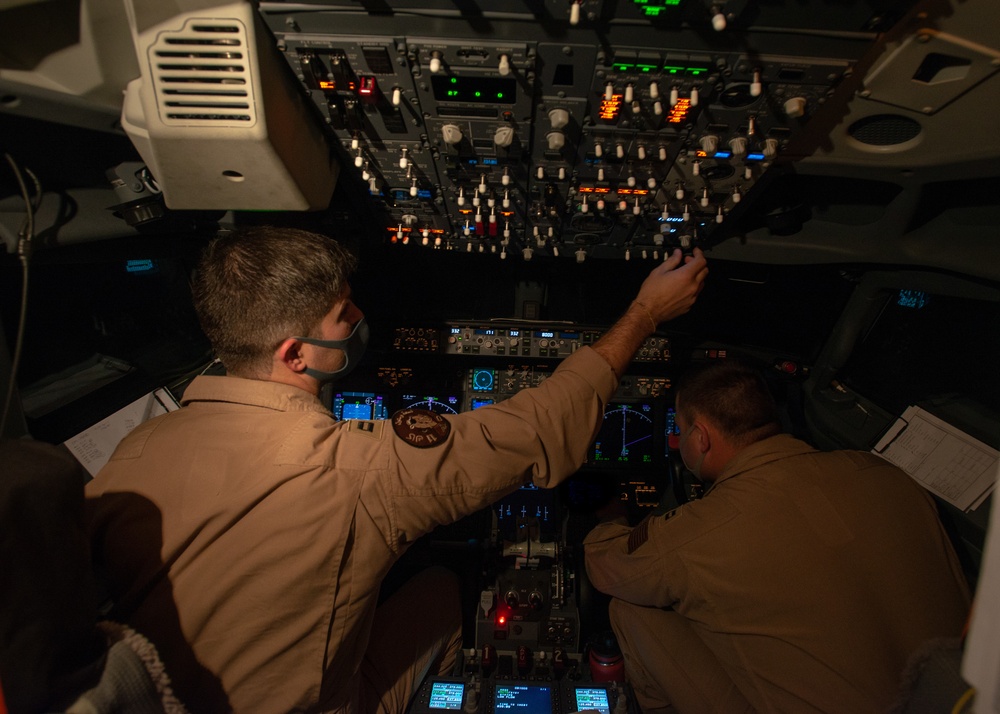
{"x": 672, "y": 2}
{"x": 499, "y": 95}
{"x": 479, "y": 94}
{"x": 454, "y": 80}
{"x": 695, "y": 72}
{"x": 672, "y": 70}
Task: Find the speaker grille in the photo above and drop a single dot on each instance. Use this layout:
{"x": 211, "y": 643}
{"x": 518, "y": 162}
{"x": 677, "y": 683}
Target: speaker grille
{"x": 201, "y": 74}
{"x": 884, "y": 130}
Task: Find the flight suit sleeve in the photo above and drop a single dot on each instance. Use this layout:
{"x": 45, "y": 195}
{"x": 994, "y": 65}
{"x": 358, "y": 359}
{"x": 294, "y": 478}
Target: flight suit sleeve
{"x": 620, "y": 562}
{"x": 646, "y": 565}
{"x": 442, "y": 468}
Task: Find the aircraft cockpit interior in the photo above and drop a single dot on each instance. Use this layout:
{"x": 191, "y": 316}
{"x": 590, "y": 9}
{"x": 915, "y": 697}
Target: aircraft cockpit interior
{"x": 507, "y": 173}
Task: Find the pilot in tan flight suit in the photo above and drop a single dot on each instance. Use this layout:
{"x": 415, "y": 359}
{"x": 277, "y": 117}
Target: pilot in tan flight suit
{"x": 247, "y": 533}
{"x": 801, "y": 582}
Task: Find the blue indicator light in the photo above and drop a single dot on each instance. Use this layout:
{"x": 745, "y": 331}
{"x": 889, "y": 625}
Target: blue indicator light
{"x": 755, "y": 157}
{"x": 915, "y": 299}
{"x": 489, "y": 162}
{"x": 671, "y": 219}
{"x": 424, "y": 193}
{"x": 143, "y": 265}
{"x": 723, "y": 154}
{"x": 473, "y": 162}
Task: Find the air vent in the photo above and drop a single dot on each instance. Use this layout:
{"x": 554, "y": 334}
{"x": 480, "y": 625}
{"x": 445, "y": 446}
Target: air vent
{"x": 218, "y": 118}
{"x": 885, "y": 130}
{"x": 201, "y": 75}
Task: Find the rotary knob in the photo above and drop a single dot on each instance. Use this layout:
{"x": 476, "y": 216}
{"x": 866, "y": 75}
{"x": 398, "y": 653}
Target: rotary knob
{"x": 451, "y": 133}
{"x": 795, "y": 107}
{"x": 556, "y": 140}
{"x": 504, "y": 136}
{"x": 558, "y": 118}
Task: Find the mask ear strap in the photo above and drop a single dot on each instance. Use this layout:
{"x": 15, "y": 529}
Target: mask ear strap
{"x": 334, "y": 344}
{"x": 322, "y": 376}
{"x": 353, "y": 347}
{"x": 329, "y": 344}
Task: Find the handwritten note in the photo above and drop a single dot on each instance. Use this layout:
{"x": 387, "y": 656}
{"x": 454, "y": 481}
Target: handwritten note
{"x": 93, "y": 447}
{"x": 946, "y": 461}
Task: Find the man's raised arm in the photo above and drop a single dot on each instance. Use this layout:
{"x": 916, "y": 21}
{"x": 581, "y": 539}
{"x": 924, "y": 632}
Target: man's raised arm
{"x": 668, "y": 292}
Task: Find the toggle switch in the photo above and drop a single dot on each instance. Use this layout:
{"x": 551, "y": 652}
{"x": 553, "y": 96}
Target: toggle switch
{"x": 435, "y": 64}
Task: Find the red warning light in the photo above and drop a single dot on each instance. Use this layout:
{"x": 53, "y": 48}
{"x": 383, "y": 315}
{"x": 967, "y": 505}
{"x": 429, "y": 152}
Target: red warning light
{"x": 368, "y": 90}
{"x": 501, "y": 620}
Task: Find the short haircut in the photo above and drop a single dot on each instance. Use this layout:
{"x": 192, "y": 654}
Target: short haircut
{"x": 258, "y": 286}
{"x": 732, "y": 395}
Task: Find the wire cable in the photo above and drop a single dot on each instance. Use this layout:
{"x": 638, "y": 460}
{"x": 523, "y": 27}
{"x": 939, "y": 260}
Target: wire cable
{"x": 963, "y": 702}
{"x": 26, "y": 234}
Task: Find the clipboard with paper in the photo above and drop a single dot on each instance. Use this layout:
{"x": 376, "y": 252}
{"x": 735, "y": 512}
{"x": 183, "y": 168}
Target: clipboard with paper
{"x": 93, "y": 446}
{"x": 951, "y": 464}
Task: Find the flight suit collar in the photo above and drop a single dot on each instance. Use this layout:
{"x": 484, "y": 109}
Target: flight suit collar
{"x": 252, "y": 392}
{"x": 761, "y": 453}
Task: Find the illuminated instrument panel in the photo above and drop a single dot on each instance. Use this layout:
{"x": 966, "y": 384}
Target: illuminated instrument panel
{"x": 495, "y": 360}
{"x": 519, "y": 135}
{"x": 568, "y": 131}
{"x": 530, "y": 629}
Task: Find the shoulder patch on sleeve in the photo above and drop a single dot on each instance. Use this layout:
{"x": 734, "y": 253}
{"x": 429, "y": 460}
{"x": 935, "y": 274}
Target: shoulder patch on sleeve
{"x": 366, "y": 428}
{"x": 420, "y": 427}
{"x": 638, "y": 536}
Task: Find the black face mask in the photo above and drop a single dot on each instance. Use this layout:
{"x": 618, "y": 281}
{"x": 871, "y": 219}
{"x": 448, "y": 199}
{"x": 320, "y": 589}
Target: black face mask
{"x": 353, "y": 347}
